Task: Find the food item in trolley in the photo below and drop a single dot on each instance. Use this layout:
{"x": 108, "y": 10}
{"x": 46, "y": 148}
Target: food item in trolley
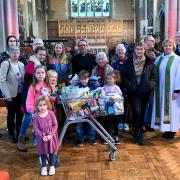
{"x": 93, "y": 105}
{"x": 102, "y": 106}
{"x": 77, "y": 105}
{"x": 98, "y": 93}
{"x": 119, "y": 107}
{"x": 110, "y": 107}
{"x": 115, "y": 102}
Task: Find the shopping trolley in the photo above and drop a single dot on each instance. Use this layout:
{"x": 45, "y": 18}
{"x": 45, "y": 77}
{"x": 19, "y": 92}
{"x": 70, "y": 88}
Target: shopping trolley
{"x": 85, "y": 110}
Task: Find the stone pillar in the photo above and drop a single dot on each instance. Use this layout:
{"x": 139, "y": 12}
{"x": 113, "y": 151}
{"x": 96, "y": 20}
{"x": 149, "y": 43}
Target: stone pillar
{"x": 34, "y": 10}
{"x": 139, "y": 11}
{"x": 178, "y": 15}
{"x": 2, "y": 28}
{"x": 26, "y": 19}
{"x": 12, "y": 17}
{"x": 172, "y": 14}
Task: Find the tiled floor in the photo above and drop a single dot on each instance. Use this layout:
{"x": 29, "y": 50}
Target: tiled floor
{"x": 157, "y": 159}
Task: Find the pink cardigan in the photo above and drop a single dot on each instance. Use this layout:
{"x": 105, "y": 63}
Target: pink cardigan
{"x": 31, "y": 96}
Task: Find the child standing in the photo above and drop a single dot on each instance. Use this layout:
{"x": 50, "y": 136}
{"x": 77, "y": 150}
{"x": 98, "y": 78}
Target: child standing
{"x": 84, "y": 82}
{"x": 45, "y": 127}
{"x": 52, "y": 75}
{"x": 40, "y": 82}
{"x": 112, "y": 88}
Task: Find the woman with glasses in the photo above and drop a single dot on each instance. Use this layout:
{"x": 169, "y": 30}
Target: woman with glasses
{"x": 12, "y": 41}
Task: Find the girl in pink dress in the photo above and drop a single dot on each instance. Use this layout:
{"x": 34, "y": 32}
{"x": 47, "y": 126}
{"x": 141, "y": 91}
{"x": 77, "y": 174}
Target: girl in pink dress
{"x": 45, "y": 127}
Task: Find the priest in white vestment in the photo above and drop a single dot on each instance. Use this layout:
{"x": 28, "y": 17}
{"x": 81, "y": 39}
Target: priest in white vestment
{"x": 166, "y": 106}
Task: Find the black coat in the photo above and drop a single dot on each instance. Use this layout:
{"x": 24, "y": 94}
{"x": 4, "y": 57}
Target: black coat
{"x": 148, "y": 78}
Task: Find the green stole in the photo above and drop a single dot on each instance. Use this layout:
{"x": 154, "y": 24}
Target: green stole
{"x": 166, "y": 92}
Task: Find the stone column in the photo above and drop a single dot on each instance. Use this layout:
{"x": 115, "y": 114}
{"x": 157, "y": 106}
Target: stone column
{"x": 139, "y": 11}
{"x": 178, "y": 15}
{"x": 172, "y": 14}
{"x": 12, "y": 17}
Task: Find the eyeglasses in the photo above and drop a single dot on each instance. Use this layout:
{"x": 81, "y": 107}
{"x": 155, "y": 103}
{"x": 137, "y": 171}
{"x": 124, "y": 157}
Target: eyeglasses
{"x": 12, "y": 40}
{"x": 81, "y": 45}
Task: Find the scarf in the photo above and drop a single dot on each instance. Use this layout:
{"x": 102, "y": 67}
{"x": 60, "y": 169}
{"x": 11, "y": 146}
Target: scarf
{"x": 138, "y": 67}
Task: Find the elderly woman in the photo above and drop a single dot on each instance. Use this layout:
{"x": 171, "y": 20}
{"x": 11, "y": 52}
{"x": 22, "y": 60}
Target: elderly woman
{"x": 139, "y": 79}
{"x": 102, "y": 68}
{"x": 119, "y": 59}
{"x": 166, "y": 107}
{"x": 11, "y": 84}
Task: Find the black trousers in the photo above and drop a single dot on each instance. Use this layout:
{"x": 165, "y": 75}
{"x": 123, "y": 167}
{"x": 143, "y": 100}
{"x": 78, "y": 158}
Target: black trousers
{"x": 139, "y": 104}
{"x": 110, "y": 124}
{"x": 14, "y": 112}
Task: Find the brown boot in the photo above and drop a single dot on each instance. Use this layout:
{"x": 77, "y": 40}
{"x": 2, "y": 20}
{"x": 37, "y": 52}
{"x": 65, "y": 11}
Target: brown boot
{"x": 21, "y": 146}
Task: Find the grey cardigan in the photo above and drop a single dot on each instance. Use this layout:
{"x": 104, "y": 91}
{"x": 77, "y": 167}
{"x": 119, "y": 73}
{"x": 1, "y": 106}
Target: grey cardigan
{"x": 8, "y": 79}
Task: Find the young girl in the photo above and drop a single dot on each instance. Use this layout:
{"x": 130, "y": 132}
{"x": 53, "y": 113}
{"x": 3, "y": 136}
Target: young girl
{"x": 45, "y": 127}
{"x": 40, "y": 81}
{"x": 112, "y": 88}
{"x": 40, "y": 86}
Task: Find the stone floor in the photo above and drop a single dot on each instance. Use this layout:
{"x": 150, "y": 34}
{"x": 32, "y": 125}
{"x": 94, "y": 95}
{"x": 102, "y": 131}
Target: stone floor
{"x": 157, "y": 159}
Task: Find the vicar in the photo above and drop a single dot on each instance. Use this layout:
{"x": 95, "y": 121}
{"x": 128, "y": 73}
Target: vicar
{"x": 166, "y": 107}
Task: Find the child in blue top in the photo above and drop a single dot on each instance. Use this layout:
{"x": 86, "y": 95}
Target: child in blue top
{"x": 83, "y": 83}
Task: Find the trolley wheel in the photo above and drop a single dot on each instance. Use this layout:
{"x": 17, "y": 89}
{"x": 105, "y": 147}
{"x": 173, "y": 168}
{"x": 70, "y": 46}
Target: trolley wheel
{"x": 113, "y": 155}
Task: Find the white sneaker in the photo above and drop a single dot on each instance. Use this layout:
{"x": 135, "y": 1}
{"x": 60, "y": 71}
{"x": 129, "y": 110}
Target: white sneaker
{"x": 126, "y": 127}
{"x": 44, "y": 171}
{"x": 51, "y": 170}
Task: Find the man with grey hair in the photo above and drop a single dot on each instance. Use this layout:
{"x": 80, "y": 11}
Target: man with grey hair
{"x": 151, "y": 52}
{"x": 177, "y": 51}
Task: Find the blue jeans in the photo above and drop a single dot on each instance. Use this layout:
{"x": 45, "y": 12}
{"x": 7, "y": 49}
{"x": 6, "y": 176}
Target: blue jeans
{"x": 25, "y": 123}
{"x": 80, "y": 132}
{"x": 51, "y": 159}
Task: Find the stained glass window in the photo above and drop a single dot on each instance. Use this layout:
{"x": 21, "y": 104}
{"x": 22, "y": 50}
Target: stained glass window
{"x": 90, "y": 8}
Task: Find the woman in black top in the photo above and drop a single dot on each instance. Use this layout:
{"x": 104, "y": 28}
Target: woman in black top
{"x": 139, "y": 78}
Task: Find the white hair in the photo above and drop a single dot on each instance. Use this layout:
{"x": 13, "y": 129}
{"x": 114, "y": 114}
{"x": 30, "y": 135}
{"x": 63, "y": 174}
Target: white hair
{"x": 13, "y": 49}
{"x": 101, "y": 55}
{"x": 38, "y": 40}
{"x": 121, "y": 46}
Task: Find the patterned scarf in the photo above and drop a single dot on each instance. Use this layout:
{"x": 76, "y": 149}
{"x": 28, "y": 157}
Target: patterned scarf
{"x": 138, "y": 66}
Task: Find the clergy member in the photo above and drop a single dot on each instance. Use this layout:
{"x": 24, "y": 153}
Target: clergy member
{"x": 166, "y": 107}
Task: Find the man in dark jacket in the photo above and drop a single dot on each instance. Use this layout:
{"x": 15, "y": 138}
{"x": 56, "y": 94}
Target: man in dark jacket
{"x": 83, "y": 60}
{"x": 177, "y": 51}
{"x": 151, "y": 52}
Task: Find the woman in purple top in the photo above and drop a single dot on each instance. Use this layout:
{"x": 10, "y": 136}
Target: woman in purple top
{"x": 45, "y": 127}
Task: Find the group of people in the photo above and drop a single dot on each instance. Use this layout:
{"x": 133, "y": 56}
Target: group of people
{"x": 148, "y": 80}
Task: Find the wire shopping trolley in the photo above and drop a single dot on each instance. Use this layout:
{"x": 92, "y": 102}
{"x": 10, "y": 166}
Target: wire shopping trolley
{"x": 85, "y": 108}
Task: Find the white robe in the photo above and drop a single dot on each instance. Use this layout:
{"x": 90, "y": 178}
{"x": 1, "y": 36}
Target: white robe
{"x": 174, "y": 106}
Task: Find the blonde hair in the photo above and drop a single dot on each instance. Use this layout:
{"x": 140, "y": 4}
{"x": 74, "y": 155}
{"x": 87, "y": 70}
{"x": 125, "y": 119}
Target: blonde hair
{"x": 63, "y": 58}
{"x": 52, "y": 72}
{"x": 169, "y": 41}
{"x": 43, "y": 98}
{"x": 101, "y": 55}
{"x": 116, "y": 75}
